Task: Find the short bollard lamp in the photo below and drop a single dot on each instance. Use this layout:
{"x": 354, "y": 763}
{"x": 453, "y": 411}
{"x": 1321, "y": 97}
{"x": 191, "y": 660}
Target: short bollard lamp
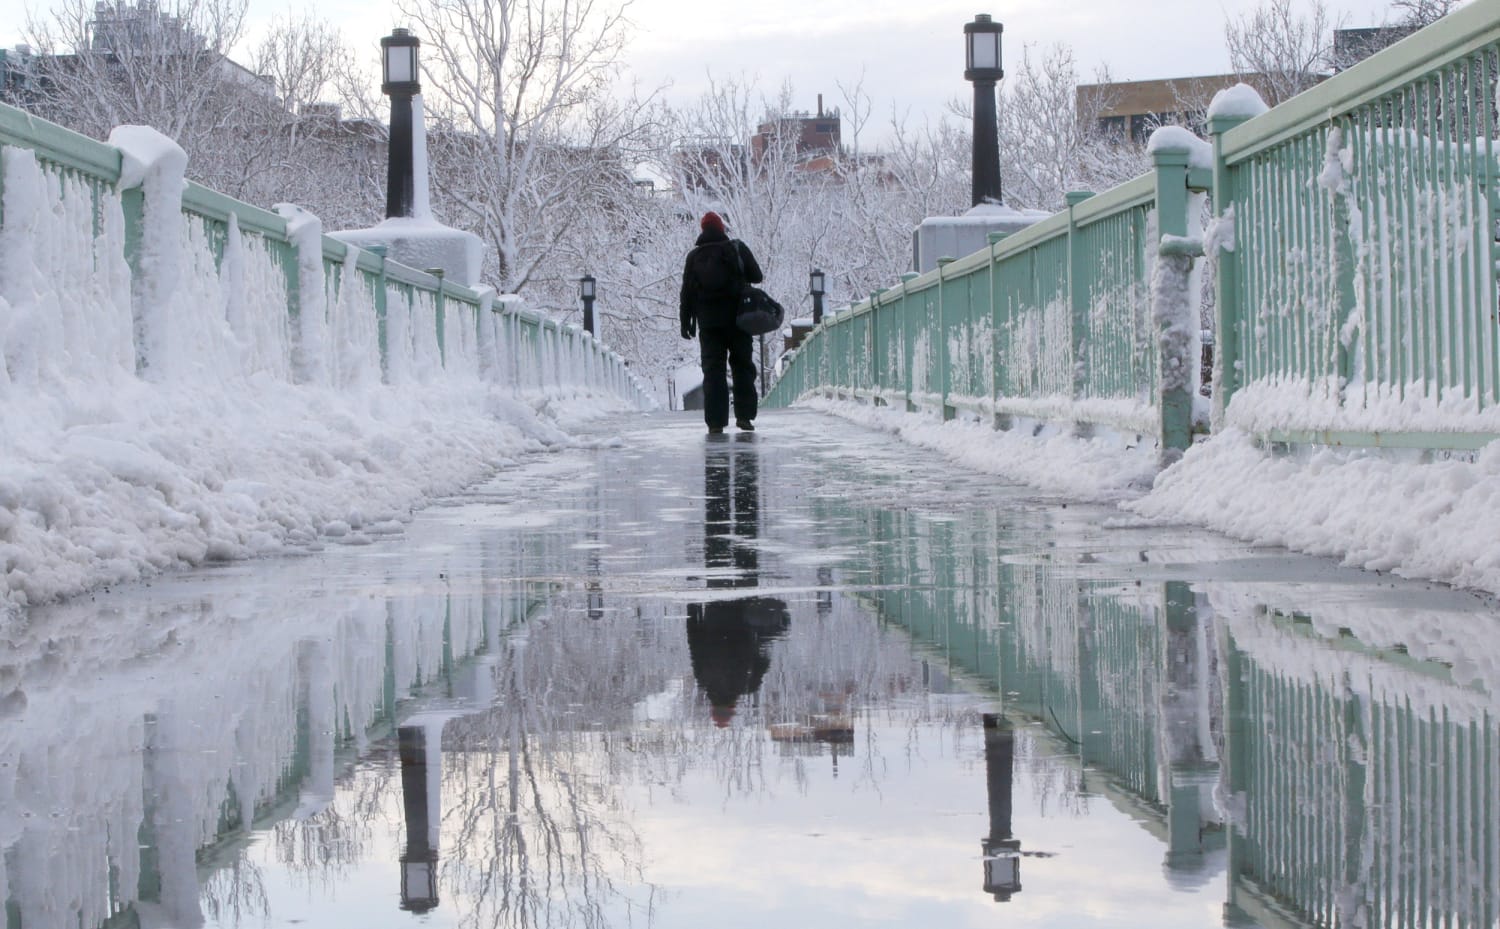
{"x": 982, "y": 67}
{"x": 586, "y": 293}
{"x": 815, "y": 287}
{"x": 399, "y": 70}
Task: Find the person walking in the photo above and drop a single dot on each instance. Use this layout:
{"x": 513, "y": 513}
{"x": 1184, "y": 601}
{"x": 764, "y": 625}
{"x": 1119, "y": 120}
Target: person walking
{"x": 712, "y": 277}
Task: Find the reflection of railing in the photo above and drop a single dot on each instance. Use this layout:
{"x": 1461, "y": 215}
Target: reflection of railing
{"x": 1116, "y": 673}
{"x": 1355, "y": 252}
{"x": 1362, "y": 781}
{"x": 248, "y": 291}
{"x": 170, "y": 780}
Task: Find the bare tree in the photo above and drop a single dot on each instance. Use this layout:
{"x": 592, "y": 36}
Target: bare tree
{"x": 1051, "y": 141}
{"x": 165, "y": 66}
{"x": 522, "y": 87}
{"x": 302, "y": 57}
{"x": 1282, "y": 49}
{"x": 1419, "y": 13}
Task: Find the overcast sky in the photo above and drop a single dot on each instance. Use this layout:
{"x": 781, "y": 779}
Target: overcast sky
{"x": 910, "y": 52}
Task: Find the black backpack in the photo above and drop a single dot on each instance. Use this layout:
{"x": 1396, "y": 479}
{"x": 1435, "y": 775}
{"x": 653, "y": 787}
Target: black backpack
{"x": 716, "y": 268}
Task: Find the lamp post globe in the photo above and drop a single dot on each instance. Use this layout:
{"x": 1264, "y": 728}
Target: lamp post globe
{"x": 399, "y": 67}
{"x": 586, "y": 293}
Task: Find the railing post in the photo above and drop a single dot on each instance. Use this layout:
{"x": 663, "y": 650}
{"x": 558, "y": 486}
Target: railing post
{"x": 438, "y": 303}
{"x": 1173, "y": 304}
{"x": 993, "y": 390}
{"x": 380, "y": 312}
{"x": 1227, "y": 376}
{"x": 1078, "y": 296}
{"x": 940, "y": 340}
{"x": 133, "y": 207}
{"x": 1343, "y": 266}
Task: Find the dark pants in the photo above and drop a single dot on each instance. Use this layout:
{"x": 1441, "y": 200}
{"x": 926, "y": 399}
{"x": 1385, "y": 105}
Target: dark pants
{"x": 714, "y": 346}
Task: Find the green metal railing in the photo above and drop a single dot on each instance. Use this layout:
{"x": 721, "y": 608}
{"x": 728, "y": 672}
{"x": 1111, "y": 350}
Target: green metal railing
{"x": 1052, "y": 323}
{"x": 397, "y": 321}
{"x": 1361, "y": 285}
{"x": 1355, "y": 280}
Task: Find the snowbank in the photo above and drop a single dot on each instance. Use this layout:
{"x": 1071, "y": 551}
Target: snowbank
{"x": 178, "y": 416}
{"x": 1371, "y": 509}
{"x": 1378, "y": 511}
{"x": 1102, "y": 469}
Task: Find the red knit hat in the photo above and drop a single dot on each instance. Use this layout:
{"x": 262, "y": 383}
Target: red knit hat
{"x": 711, "y": 220}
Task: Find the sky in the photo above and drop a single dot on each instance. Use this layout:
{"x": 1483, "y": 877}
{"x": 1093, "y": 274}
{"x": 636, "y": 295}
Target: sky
{"x": 907, "y": 53}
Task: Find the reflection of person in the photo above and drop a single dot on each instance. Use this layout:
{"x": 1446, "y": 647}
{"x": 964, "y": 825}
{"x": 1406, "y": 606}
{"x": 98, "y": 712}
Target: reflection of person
{"x": 728, "y": 639}
{"x": 712, "y": 276}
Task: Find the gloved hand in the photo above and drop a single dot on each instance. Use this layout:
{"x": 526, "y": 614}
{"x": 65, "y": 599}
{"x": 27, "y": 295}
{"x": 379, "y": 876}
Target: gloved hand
{"x": 689, "y": 329}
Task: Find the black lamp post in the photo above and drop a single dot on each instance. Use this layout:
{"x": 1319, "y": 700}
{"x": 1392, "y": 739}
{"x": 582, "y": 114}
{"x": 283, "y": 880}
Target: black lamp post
{"x": 982, "y": 66}
{"x": 398, "y": 68}
{"x": 815, "y": 287}
{"x": 586, "y": 291}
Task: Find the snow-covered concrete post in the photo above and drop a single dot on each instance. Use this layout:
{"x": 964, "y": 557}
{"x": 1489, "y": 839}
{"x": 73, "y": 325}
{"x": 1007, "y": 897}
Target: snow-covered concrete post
{"x": 1230, "y": 108}
{"x": 1174, "y": 305}
{"x": 940, "y": 340}
{"x": 381, "y": 305}
{"x": 152, "y": 171}
{"x": 1078, "y": 295}
{"x": 307, "y": 294}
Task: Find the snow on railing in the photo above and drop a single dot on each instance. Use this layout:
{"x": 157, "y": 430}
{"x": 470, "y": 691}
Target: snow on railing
{"x": 171, "y": 280}
{"x": 1357, "y": 296}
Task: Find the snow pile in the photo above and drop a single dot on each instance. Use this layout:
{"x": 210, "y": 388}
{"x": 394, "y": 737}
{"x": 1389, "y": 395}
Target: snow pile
{"x": 1177, "y": 139}
{"x": 243, "y": 434}
{"x": 1371, "y": 510}
{"x": 1238, "y": 102}
{"x": 1098, "y": 469}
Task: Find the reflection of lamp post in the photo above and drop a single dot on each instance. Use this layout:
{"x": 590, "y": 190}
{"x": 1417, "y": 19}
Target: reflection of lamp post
{"x": 398, "y": 66}
{"x": 586, "y": 292}
{"x": 1002, "y": 853}
{"x": 419, "y": 891}
{"x": 982, "y": 58}
{"x": 815, "y": 287}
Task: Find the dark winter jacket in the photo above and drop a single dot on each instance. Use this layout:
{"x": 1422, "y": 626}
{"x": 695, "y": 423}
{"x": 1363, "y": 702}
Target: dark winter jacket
{"x": 705, "y": 306}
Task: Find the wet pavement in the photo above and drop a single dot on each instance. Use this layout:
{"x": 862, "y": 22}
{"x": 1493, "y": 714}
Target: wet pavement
{"x": 804, "y": 677}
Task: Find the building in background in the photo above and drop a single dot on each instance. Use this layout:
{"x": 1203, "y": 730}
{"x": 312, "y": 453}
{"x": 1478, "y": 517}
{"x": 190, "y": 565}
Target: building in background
{"x": 1130, "y": 110}
{"x": 811, "y": 136}
{"x": 1351, "y": 46}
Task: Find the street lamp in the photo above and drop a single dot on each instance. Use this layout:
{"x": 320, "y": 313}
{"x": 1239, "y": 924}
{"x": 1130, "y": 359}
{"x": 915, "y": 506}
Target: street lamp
{"x": 586, "y": 291}
{"x": 815, "y": 287}
{"x": 399, "y": 73}
{"x": 982, "y": 67}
